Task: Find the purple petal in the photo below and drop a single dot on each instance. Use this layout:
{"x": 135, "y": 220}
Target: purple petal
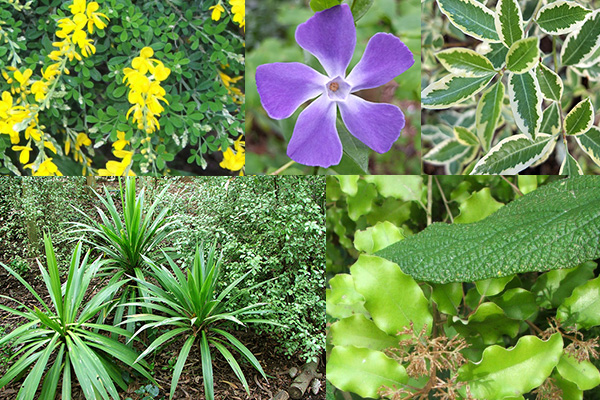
{"x": 377, "y": 125}
{"x": 330, "y": 36}
{"x": 315, "y": 140}
{"x": 385, "y": 58}
{"x": 283, "y": 87}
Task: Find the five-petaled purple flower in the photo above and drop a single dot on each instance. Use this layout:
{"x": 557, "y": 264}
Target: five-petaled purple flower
{"x": 330, "y": 36}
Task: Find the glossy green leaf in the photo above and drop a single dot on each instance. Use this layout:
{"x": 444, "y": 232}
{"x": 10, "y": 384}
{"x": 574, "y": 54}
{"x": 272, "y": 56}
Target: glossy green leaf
{"x": 362, "y": 202}
{"x": 495, "y": 52}
{"x": 488, "y": 113}
{"x": 360, "y": 331}
{"x": 523, "y": 55}
{"x": 584, "y": 374}
{"x": 402, "y": 187}
{"x": 342, "y": 299}
{"x": 465, "y": 136}
{"x": 492, "y": 286}
{"x": 320, "y": 5}
{"x": 590, "y": 143}
{"x": 517, "y": 303}
{"x": 551, "y": 119}
{"x": 448, "y": 297}
{"x": 465, "y": 62}
{"x": 553, "y": 287}
{"x": 515, "y": 239}
{"x": 582, "y": 306}
{"x": 513, "y": 154}
{"x": 377, "y": 237}
{"x": 569, "y": 166}
{"x": 490, "y": 322}
{"x": 363, "y": 371}
{"x": 509, "y": 21}
{"x": 471, "y": 17}
{"x": 582, "y": 43}
{"x": 478, "y": 206}
{"x": 580, "y": 119}
{"x": 550, "y": 83}
{"x": 452, "y": 90}
{"x": 570, "y": 391}
{"x": 348, "y": 183}
{"x": 508, "y": 372}
{"x": 527, "y": 183}
{"x": 394, "y": 305}
{"x": 561, "y": 17}
{"x": 360, "y": 8}
{"x": 446, "y": 152}
{"x": 526, "y": 102}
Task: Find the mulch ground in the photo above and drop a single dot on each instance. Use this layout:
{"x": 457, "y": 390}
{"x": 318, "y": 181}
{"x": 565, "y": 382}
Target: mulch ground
{"x": 190, "y": 386}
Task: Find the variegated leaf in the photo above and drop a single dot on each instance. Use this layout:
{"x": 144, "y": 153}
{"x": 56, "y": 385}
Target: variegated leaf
{"x": 446, "y": 152}
{"x": 561, "y": 17}
{"x": 488, "y": 114}
{"x": 550, "y": 83}
{"x": 526, "y": 102}
{"x": 570, "y": 166}
{"x": 465, "y": 136}
{"x": 451, "y": 90}
{"x": 433, "y": 134}
{"x": 591, "y": 72}
{"x": 590, "y": 143}
{"x": 513, "y": 154}
{"x": 551, "y": 119}
{"x": 471, "y": 17}
{"x": 580, "y": 119}
{"x": 509, "y": 21}
{"x": 523, "y": 55}
{"x": 465, "y": 62}
{"x": 582, "y": 43}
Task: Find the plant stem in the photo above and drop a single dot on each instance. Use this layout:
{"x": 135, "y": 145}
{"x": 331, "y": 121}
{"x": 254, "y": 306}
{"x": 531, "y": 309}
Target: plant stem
{"x": 515, "y": 187}
{"x": 286, "y": 166}
{"x": 445, "y": 201}
{"x": 429, "y": 198}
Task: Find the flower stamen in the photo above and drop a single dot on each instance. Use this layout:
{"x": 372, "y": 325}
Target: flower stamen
{"x": 334, "y": 86}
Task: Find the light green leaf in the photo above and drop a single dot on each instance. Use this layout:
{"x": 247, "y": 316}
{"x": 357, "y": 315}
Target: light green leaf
{"x": 513, "y": 154}
{"x": 582, "y": 43}
{"x": 478, "y": 206}
{"x": 515, "y": 239}
{"x": 361, "y": 203}
{"x": 590, "y": 143}
{"x": 488, "y": 114}
{"x": 582, "y": 306}
{"x": 360, "y": 331}
{"x": 570, "y": 166}
{"x": 526, "y": 102}
{"x": 393, "y": 305}
{"x": 561, "y": 17}
{"x": 509, "y": 21}
{"x": 523, "y": 55}
{"x": 402, "y": 187}
{"x": 452, "y": 89}
{"x": 584, "y": 374}
{"x": 580, "y": 119}
{"x": 363, "y": 371}
{"x": 570, "y": 391}
{"x": 489, "y": 321}
{"x": 465, "y": 136}
{"x": 465, "y": 62}
{"x": 517, "y": 303}
{"x": 348, "y": 183}
{"x": 471, "y": 17}
{"x": 377, "y": 237}
{"x": 551, "y": 119}
{"x": 448, "y": 297}
{"x": 493, "y": 286}
{"x": 446, "y": 152}
{"x": 553, "y": 287}
{"x": 320, "y": 5}
{"x": 527, "y": 183}
{"x": 550, "y": 83}
{"x": 360, "y": 8}
{"x": 342, "y": 299}
{"x": 504, "y": 373}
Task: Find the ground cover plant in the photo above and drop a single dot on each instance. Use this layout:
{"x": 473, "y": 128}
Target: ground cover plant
{"x": 291, "y": 64}
{"x": 536, "y": 67}
{"x": 510, "y": 316}
{"x": 119, "y": 87}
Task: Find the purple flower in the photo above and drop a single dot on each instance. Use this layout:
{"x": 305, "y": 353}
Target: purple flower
{"x": 330, "y": 36}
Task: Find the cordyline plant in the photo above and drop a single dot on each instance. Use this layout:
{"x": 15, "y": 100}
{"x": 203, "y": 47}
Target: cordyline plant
{"x": 524, "y": 57}
{"x": 190, "y": 305}
{"x": 60, "y": 335}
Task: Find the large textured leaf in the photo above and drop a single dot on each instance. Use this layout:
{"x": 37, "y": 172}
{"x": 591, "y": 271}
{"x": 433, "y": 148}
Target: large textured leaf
{"x": 360, "y": 331}
{"x": 446, "y": 152}
{"x": 550, "y": 83}
{"x": 526, "y": 102}
{"x": 582, "y": 306}
{"x": 551, "y": 119}
{"x": 393, "y": 305}
{"x": 584, "y": 374}
{"x": 363, "y": 371}
{"x": 569, "y": 166}
{"x": 561, "y": 17}
{"x": 590, "y": 143}
{"x": 555, "y": 226}
{"x": 513, "y": 154}
{"x": 505, "y": 373}
{"x": 582, "y": 43}
{"x": 471, "y": 17}
{"x": 452, "y": 89}
{"x": 580, "y": 119}
{"x": 488, "y": 114}
{"x": 465, "y": 62}
{"x": 523, "y": 55}
{"x": 509, "y": 21}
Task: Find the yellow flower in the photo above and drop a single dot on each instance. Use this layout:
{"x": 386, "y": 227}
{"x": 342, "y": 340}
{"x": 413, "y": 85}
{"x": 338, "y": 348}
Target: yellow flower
{"x": 238, "y": 8}
{"x": 82, "y": 140}
{"x": 5, "y": 104}
{"x": 33, "y": 132}
{"x": 94, "y": 17}
{"x": 217, "y": 11}
{"x": 161, "y": 72}
{"x": 121, "y": 142}
{"x": 47, "y": 168}
{"x": 50, "y": 146}
{"x": 117, "y": 168}
{"x": 23, "y": 78}
{"x": 24, "y": 156}
{"x": 235, "y": 161}
{"x": 78, "y": 6}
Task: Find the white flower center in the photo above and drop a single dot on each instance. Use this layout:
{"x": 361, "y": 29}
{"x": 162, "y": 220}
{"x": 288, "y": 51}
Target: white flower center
{"x": 338, "y": 89}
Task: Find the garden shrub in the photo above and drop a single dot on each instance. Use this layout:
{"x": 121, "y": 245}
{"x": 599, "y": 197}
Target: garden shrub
{"x": 119, "y": 87}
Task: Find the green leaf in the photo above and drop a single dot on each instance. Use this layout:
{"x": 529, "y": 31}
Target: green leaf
{"x": 360, "y": 7}
{"x": 119, "y": 91}
{"x": 513, "y": 154}
{"x": 590, "y": 143}
{"x": 580, "y": 119}
{"x": 553, "y": 287}
{"x": 550, "y": 83}
{"x": 448, "y": 297}
{"x": 348, "y": 183}
{"x": 181, "y": 359}
{"x": 584, "y": 374}
{"x": 363, "y": 371}
{"x": 490, "y": 322}
{"x": 517, "y": 303}
{"x": 581, "y": 307}
{"x": 356, "y": 150}
{"x": 377, "y": 237}
{"x": 570, "y": 391}
{"x": 465, "y": 136}
{"x": 320, "y": 5}
{"x": 402, "y": 187}
{"x": 523, "y": 55}
{"x": 526, "y": 102}
{"x": 471, "y": 17}
{"x": 561, "y": 17}
{"x": 409, "y": 304}
{"x": 582, "y": 43}
{"x": 362, "y": 203}
{"x": 488, "y": 114}
{"x": 493, "y": 286}
{"x": 495, "y": 52}
{"x": 478, "y": 206}
{"x": 342, "y": 299}
{"x": 465, "y": 62}
{"x": 505, "y": 373}
{"x": 452, "y": 90}
{"x": 359, "y": 331}
{"x": 509, "y": 21}
{"x": 515, "y": 239}
{"x": 551, "y": 119}
{"x": 446, "y": 152}
{"x": 570, "y": 166}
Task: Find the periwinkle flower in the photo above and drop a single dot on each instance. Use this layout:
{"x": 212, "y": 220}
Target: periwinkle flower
{"x": 330, "y": 35}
